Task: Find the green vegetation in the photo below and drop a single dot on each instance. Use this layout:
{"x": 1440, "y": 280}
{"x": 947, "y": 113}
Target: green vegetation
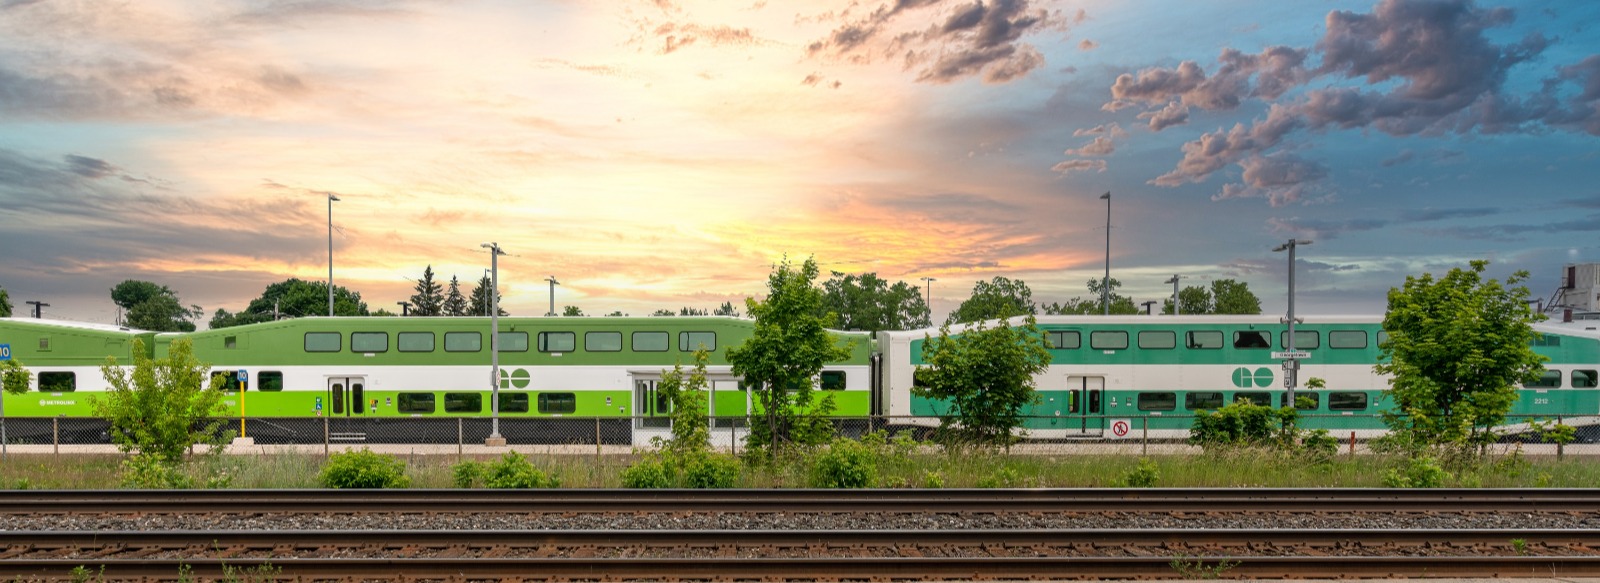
{"x": 363, "y": 469}
{"x": 1226, "y": 296}
{"x": 163, "y": 407}
{"x": 294, "y": 298}
{"x": 1458, "y": 349}
{"x": 987, "y": 376}
{"x": 511, "y": 471}
{"x": 867, "y": 302}
{"x": 685, "y": 460}
{"x": 999, "y": 298}
{"x": 846, "y": 463}
{"x": 148, "y": 306}
{"x": 14, "y": 377}
{"x": 780, "y": 361}
{"x": 5, "y": 303}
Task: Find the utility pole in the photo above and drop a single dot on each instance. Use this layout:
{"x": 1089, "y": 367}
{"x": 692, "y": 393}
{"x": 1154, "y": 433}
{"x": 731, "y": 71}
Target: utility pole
{"x": 1105, "y": 284}
{"x": 37, "y": 312}
{"x": 405, "y": 308}
{"x": 553, "y": 284}
{"x": 1291, "y": 365}
{"x": 331, "y": 199}
{"x": 1174, "y": 282}
{"x": 495, "y": 439}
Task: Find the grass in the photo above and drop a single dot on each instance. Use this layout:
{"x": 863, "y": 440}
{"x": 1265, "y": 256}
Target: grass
{"x": 917, "y": 469}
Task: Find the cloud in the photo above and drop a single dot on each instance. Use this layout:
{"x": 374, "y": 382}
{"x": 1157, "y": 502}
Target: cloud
{"x": 976, "y": 39}
{"x": 1432, "y": 214}
{"x": 1175, "y": 113}
{"x": 675, "y": 36}
{"x": 1315, "y": 229}
{"x": 1266, "y": 75}
{"x": 1280, "y": 178}
{"x": 1401, "y": 158}
{"x": 1087, "y": 45}
{"x": 1070, "y": 166}
{"x": 1101, "y": 146}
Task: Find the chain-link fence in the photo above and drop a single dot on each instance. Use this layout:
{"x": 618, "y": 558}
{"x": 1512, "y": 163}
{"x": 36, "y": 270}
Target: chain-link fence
{"x": 1092, "y": 435}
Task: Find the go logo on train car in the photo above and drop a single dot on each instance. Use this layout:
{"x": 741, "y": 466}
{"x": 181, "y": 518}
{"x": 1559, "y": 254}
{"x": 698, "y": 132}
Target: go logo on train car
{"x": 1245, "y": 378}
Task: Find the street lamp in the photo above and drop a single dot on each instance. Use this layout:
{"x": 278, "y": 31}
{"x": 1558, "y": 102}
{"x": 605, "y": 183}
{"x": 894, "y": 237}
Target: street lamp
{"x": 1148, "y": 306}
{"x": 1105, "y": 284}
{"x": 553, "y": 284}
{"x": 38, "y": 307}
{"x": 928, "y": 281}
{"x": 1291, "y": 365}
{"x": 1174, "y": 282}
{"x": 405, "y": 308}
{"x": 331, "y": 199}
{"x": 494, "y": 344}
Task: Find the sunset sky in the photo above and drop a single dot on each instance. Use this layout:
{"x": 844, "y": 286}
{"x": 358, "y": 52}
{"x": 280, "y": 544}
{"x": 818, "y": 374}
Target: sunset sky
{"x": 666, "y": 153}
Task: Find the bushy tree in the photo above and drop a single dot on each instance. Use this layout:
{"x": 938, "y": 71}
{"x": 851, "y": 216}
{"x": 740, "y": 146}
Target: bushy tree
{"x": 688, "y": 311}
{"x": 1194, "y": 300}
{"x": 726, "y": 309}
{"x": 1091, "y": 306}
{"x": 454, "y": 303}
{"x": 480, "y": 299}
{"x": 781, "y": 360}
{"x": 1458, "y": 348}
{"x": 868, "y": 302}
{"x": 153, "y": 307}
{"x": 663, "y": 312}
{"x": 571, "y": 311}
{"x": 1233, "y": 297}
{"x": 14, "y": 377}
{"x": 5, "y": 303}
{"x": 996, "y": 299}
{"x": 429, "y": 299}
{"x": 294, "y": 298}
{"x": 986, "y": 375}
{"x": 163, "y": 406}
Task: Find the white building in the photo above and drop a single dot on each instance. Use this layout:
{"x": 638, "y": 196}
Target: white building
{"x": 1579, "y": 291}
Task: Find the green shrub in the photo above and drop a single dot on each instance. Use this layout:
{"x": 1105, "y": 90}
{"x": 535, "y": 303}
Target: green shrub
{"x": 647, "y": 473}
{"x": 466, "y": 474}
{"x": 513, "y": 470}
{"x": 932, "y": 479}
{"x": 153, "y": 473}
{"x": 712, "y": 471}
{"x": 845, "y": 464}
{"x": 1143, "y": 475}
{"x": 1004, "y": 477}
{"x": 363, "y": 469}
{"x": 1421, "y": 472}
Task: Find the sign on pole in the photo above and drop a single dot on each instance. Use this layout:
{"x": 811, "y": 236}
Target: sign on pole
{"x": 1289, "y": 355}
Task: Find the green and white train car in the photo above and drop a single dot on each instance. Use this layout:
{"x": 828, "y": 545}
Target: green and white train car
{"x": 65, "y": 358}
{"x": 1115, "y": 376}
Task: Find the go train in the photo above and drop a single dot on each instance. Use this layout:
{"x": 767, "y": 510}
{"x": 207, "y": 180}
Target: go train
{"x": 1108, "y": 374}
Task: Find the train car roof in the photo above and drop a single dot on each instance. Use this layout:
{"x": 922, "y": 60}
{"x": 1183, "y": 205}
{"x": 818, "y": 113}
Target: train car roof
{"x": 47, "y": 323}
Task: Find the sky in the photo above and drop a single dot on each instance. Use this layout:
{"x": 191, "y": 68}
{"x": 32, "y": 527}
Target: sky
{"x": 665, "y": 153}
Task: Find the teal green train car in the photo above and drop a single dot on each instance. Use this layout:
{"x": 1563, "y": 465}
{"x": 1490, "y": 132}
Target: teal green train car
{"x": 1118, "y": 376}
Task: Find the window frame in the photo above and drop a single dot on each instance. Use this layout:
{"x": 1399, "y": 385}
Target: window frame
{"x": 471, "y": 397}
{"x": 513, "y": 334}
{"x": 475, "y": 335}
{"x": 407, "y": 402}
{"x": 666, "y": 338}
{"x": 1254, "y": 397}
{"x": 1593, "y": 380}
{"x": 684, "y": 342}
{"x": 1264, "y": 336}
{"x": 548, "y": 401}
{"x": 1094, "y": 335}
{"x": 354, "y": 335}
{"x": 1334, "y": 405}
{"x": 513, "y": 399}
{"x": 841, "y": 380}
{"x": 545, "y": 340}
{"x": 1545, "y": 379}
{"x": 1189, "y": 401}
{"x": 338, "y": 345}
{"x": 71, "y": 380}
{"x": 261, "y": 381}
{"x": 1316, "y": 339}
{"x": 400, "y": 341}
{"x": 589, "y": 346}
{"x": 1077, "y": 335}
{"x": 1332, "y": 334}
{"x": 1190, "y": 335}
{"x": 1139, "y": 400}
{"x": 1169, "y": 334}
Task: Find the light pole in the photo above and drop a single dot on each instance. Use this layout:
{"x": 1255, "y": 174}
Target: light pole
{"x": 486, "y": 296}
{"x": 1291, "y": 365}
{"x": 494, "y": 344}
{"x": 1105, "y": 284}
{"x": 1148, "y": 306}
{"x": 553, "y": 284}
{"x": 405, "y": 308}
{"x": 38, "y": 308}
{"x": 331, "y": 199}
{"x": 1174, "y": 282}
{"x": 928, "y": 281}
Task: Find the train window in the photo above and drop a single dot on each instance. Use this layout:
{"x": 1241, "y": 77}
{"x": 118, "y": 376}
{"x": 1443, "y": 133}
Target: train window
{"x": 1346, "y": 339}
{"x": 415, "y": 342}
{"x": 1254, "y": 398}
{"x": 1383, "y": 337}
{"x": 369, "y": 342}
{"x": 1551, "y": 379}
{"x": 1197, "y": 400}
{"x": 1303, "y": 339}
{"x": 1064, "y": 339}
{"x": 1304, "y": 400}
{"x": 513, "y": 402}
{"x": 1343, "y": 401}
{"x": 513, "y": 342}
{"x": 1545, "y": 340}
{"x": 463, "y": 341}
{"x": 558, "y": 341}
{"x": 463, "y": 402}
{"x": 322, "y": 341}
{"x": 833, "y": 380}
{"x": 1584, "y": 379}
{"x": 602, "y": 341}
{"x": 415, "y": 403}
{"x": 58, "y": 382}
{"x": 1108, "y": 340}
{"x": 230, "y": 382}
{"x": 1251, "y": 339}
{"x": 1158, "y": 339}
{"x": 651, "y": 341}
{"x": 558, "y": 403}
{"x": 271, "y": 381}
{"x": 1163, "y": 401}
{"x": 1203, "y": 339}
{"x": 692, "y": 341}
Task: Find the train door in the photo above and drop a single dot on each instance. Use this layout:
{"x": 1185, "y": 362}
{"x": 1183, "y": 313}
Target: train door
{"x": 346, "y": 397}
{"x": 654, "y": 409}
{"x": 1086, "y": 404}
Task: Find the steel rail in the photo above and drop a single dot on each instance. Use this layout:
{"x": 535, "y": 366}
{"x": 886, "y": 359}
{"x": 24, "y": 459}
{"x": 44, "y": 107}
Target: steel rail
{"x": 879, "y": 501}
{"x": 288, "y": 539}
{"x": 848, "y": 569}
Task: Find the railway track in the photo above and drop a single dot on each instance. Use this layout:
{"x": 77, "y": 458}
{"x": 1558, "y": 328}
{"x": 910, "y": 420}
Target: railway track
{"x": 1198, "y": 500}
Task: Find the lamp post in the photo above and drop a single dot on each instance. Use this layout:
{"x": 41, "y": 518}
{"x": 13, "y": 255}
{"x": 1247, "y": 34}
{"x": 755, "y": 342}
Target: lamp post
{"x": 38, "y": 308}
{"x": 405, "y": 308}
{"x": 1291, "y": 365}
{"x": 928, "y": 281}
{"x": 486, "y": 295}
{"x": 1105, "y": 284}
{"x": 331, "y": 200}
{"x": 1174, "y": 282}
{"x": 553, "y": 284}
{"x": 494, "y": 345}
{"x": 1148, "y": 306}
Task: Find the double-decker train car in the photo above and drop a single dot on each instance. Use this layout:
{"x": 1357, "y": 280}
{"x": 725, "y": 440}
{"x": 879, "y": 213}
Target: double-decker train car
{"x": 1155, "y": 373}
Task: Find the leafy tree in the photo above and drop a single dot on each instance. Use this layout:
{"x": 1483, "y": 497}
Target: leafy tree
{"x": 781, "y": 360}
{"x": 867, "y": 302}
{"x": 726, "y": 309}
{"x": 688, "y": 311}
{"x": 5, "y": 303}
{"x": 1458, "y": 348}
{"x": 14, "y": 377}
{"x": 986, "y": 374}
{"x": 1233, "y": 297}
{"x": 571, "y": 311}
{"x": 996, "y": 299}
{"x": 163, "y": 406}
{"x": 382, "y": 313}
{"x": 429, "y": 299}
{"x": 616, "y": 314}
{"x": 454, "y": 304}
{"x": 480, "y": 299}
{"x": 691, "y": 421}
{"x": 663, "y": 312}
{"x": 1090, "y": 306}
{"x": 153, "y": 307}
{"x": 1195, "y": 300}
{"x": 293, "y": 297}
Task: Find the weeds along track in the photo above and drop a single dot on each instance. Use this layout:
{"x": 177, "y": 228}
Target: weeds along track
{"x": 1191, "y": 500}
